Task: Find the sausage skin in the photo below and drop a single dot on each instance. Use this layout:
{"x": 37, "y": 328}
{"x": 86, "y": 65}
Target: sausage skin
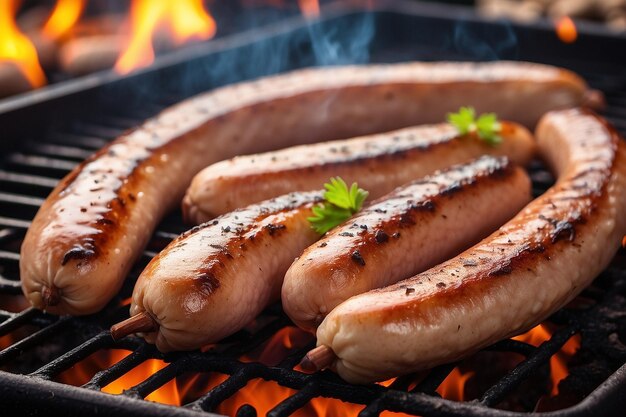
{"x": 512, "y": 280}
{"x": 405, "y": 232}
{"x": 93, "y": 226}
{"x": 378, "y": 163}
{"x": 213, "y": 280}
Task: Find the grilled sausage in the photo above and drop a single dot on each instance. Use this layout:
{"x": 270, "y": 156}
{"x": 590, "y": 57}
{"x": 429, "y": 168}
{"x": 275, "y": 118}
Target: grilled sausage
{"x": 90, "y": 230}
{"x": 512, "y": 280}
{"x": 213, "y": 280}
{"x": 216, "y": 278}
{"x": 407, "y": 231}
{"x": 377, "y": 162}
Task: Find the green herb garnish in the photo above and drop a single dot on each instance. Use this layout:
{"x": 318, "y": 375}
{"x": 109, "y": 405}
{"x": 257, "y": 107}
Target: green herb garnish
{"x": 487, "y": 126}
{"x": 340, "y": 204}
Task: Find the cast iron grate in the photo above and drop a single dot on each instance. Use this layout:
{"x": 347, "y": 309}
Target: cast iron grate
{"x": 45, "y": 346}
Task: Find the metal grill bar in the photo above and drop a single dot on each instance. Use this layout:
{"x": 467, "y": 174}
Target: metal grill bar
{"x": 27, "y": 180}
{"x": 16, "y": 320}
{"x": 20, "y": 199}
{"x": 536, "y": 359}
{"x": 9, "y": 222}
{"x": 54, "y": 165}
{"x": 105, "y": 377}
{"x": 99, "y": 341}
{"x": 33, "y": 340}
{"x": 52, "y": 150}
{"x": 82, "y": 141}
{"x": 159, "y": 379}
{"x": 298, "y": 400}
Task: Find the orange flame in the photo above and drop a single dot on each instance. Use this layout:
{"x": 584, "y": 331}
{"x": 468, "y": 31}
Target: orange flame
{"x": 453, "y": 387}
{"x": 64, "y": 16}
{"x": 6, "y": 341}
{"x": 309, "y": 8}
{"x": 167, "y": 394}
{"x": 566, "y": 30}
{"x": 16, "y": 48}
{"x": 186, "y": 19}
{"x": 558, "y": 362}
{"x": 265, "y": 395}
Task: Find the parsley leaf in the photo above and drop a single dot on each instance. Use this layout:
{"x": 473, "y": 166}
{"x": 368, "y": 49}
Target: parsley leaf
{"x": 340, "y": 204}
{"x": 463, "y": 120}
{"x": 487, "y": 126}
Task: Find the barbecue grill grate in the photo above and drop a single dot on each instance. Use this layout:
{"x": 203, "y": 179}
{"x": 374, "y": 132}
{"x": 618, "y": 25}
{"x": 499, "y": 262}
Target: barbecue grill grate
{"x": 51, "y": 345}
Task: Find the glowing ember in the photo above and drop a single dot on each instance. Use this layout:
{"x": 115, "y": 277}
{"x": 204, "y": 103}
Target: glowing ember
{"x": 16, "y": 48}
{"x": 64, "y": 16}
{"x": 265, "y": 395}
{"x": 186, "y": 20}
{"x": 284, "y": 342}
{"x": 309, "y": 8}
{"x": 566, "y": 30}
{"x": 558, "y": 362}
{"x": 6, "y": 341}
{"x": 167, "y": 394}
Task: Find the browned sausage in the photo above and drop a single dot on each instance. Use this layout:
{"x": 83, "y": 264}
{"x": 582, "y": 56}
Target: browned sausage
{"x": 407, "y": 231}
{"x": 378, "y": 163}
{"x": 506, "y": 284}
{"x": 93, "y": 226}
{"x": 215, "y": 279}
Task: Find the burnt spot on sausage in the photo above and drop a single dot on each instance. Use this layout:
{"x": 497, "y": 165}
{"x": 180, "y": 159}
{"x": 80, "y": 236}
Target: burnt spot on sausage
{"x": 539, "y": 248}
{"x": 563, "y": 230}
{"x": 504, "y": 269}
{"x": 105, "y": 221}
{"x": 406, "y": 220}
{"x": 358, "y": 258}
{"x": 273, "y": 228}
{"x": 207, "y": 282}
{"x": 82, "y": 251}
{"x": 381, "y": 236}
{"x": 427, "y": 205}
{"x": 452, "y": 188}
{"x": 191, "y": 231}
{"x": 323, "y": 245}
{"x": 347, "y": 234}
{"x": 441, "y": 285}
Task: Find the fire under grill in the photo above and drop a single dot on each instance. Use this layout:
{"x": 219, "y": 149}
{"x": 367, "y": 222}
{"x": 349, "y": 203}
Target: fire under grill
{"x": 50, "y": 364}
